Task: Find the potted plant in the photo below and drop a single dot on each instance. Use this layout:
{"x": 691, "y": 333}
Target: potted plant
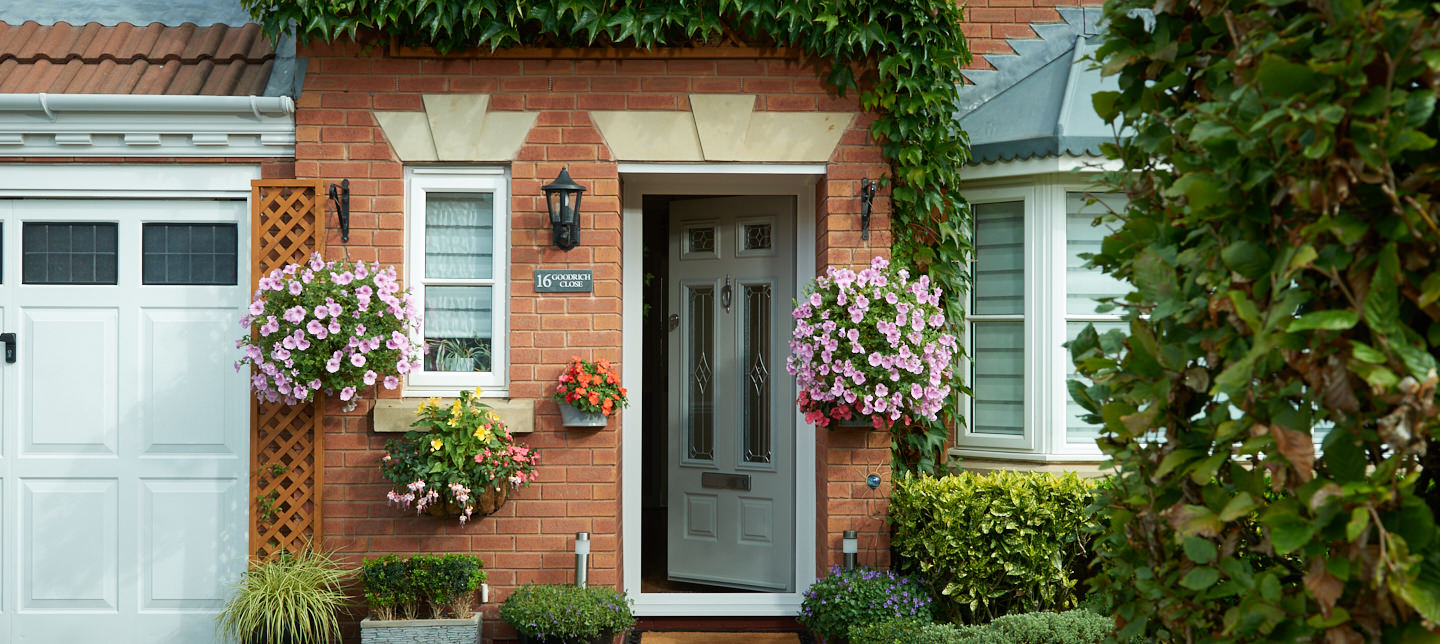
{"x": 328, "y": 326}
{"x": 287, "y": 599}
{"x": 460, "y": 355}
{"x": 563, "y": 614}
{"x": 458, "y": 461}
{"x": 396, "y": 590}
{"x": 863, "y": 595}
{"x": 588, "y": 393}
{"x": 871, "y": 345}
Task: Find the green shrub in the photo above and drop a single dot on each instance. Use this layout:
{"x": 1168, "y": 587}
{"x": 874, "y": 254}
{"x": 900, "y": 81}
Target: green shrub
{"x": 1070, "y": 627}
{"x": 553, "y": 612}
{"x": 1282, "y": 240}
{"x": 845, "y": 598}
{"x": 387, "y": 586}
{"x": 907, "y": 630}
{"x": 992, "y": 544}
{"x": 446, "y": 582}
{"x": 287, "y": 598}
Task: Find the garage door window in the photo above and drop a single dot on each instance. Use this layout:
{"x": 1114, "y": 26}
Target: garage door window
{"x": 58, "y": 253}
{"x": 189, "y": 254}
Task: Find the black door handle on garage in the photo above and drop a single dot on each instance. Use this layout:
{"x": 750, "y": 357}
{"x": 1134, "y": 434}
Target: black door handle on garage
{"x": 9, "y": 340}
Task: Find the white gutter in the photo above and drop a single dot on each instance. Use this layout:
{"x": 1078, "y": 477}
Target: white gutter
{"x": 50, "y": 104}
{"x": 123, "y": 125}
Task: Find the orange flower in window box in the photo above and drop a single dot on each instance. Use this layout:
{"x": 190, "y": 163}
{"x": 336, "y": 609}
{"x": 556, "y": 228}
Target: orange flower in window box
{"x": 589, "y": 393}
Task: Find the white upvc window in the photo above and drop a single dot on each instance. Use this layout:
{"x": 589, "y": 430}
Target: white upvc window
{"x": 457, "y": 263}
{"x": 1030, "y": 293}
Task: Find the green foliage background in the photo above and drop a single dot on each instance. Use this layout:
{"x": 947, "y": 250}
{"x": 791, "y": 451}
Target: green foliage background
{"x": 904, "y": 56}
{"x": 1282, "y": 240}
{"x": 992, "y": 544}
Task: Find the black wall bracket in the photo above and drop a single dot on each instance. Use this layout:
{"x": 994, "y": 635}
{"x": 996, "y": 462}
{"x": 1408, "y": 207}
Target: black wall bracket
{"x": 341, "y": 198}
{"x": 867, "y": 199}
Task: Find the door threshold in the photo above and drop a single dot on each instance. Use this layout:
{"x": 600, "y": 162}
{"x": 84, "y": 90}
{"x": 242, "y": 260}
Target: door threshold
{"x": 717, "y": 604}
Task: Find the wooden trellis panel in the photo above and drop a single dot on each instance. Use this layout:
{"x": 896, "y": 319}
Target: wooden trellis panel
{"x": 287, "y": 449}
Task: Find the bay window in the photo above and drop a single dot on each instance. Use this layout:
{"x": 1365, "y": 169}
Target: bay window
{"x": 1031, "y": 293}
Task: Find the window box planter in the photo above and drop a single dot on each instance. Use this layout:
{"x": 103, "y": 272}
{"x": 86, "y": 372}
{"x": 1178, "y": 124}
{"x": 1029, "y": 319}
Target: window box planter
{"x": 572, "y": 417}
{"x": 418, "y": 631}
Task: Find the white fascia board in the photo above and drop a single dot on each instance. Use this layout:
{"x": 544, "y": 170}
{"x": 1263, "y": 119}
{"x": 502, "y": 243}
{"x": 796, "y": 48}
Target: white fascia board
{"x": 1032, "y": 167}
{"x": 40, "y": 125}
{"x": 127, "y": 180}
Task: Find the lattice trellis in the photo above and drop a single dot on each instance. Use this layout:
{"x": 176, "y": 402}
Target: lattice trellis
{"x": 287, "y": 442}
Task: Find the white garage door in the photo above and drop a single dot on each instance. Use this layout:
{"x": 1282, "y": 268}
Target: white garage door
{"x": 124, "y": 449}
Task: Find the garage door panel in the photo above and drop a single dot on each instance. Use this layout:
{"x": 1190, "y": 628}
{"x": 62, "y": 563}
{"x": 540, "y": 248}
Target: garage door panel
{"x": 69, "y": 352}
{"x": 188, "y": 382}
{"x": 191, "y": 542}
{"x": 70, "y": 553}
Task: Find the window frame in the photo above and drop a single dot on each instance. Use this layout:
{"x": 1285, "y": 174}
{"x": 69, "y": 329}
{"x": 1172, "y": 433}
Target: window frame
{"x": 420, "y": 181}
{"x": 1046, "y": 316}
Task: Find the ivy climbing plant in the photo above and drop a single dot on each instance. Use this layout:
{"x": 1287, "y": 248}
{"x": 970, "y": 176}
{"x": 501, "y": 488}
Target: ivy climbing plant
{"x": 1282, "y": 236}
{"x": 904, "y": 57}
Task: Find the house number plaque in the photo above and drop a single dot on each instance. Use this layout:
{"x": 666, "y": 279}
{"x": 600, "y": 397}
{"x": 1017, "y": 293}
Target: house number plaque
{"x": 564, "y": 281}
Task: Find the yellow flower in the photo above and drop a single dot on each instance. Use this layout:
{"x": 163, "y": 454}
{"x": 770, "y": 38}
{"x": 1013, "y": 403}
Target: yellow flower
{"x": 477, "y": 392}
{"x": 428, "y": 402}
{"x": 454, "y": 421}
{"x": 482, "y": 433}
{"x": 436, "y": 444}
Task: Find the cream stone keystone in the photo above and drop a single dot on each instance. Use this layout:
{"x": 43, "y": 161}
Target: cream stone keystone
{"x": 397, "y": 416}
{"x": 409, "y": 135}
{"x": 723, "y": 127}
{"x": 456, "y": 127}
{"x": 723, "y": 123}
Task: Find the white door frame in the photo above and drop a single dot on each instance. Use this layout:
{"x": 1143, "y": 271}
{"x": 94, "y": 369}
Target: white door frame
{"x": 710, "y": 179}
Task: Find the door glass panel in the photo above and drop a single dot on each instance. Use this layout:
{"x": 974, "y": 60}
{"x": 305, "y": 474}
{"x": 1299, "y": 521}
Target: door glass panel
{"x": 702, "y": 240}
{"x": 998, "y": 378}
{"x": 757, "y": 373}
{"x": 189, "y": 254}
{"x": 757, "y": 236}
{"x": 53, "y": 253}
{"x": 999, "y": 283}
{"x": 460, "y": 235}
{"x": 457, "y": 328}
{"x": 700, "y": 423}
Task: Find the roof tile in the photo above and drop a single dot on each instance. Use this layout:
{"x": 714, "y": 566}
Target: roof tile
{"x": 131, "y": 59}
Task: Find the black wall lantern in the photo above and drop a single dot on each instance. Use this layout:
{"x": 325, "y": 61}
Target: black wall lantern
{"x": 563, "y": 198}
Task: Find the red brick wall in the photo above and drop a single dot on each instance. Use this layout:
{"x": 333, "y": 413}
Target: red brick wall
{"x": 989, "y": 23}
{"x": 530, "y": 538}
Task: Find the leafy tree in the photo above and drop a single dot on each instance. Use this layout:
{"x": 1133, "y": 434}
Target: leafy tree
{"x": 1282, "y": 239}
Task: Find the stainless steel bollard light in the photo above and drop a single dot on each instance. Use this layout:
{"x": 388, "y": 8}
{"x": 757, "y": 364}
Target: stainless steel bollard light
{"x": 850, "y": 546}
{"x": 582, "y": 558}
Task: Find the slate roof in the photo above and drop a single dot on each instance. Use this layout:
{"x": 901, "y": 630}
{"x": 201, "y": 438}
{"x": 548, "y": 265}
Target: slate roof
{"x": 218, "y": 60}
{"x": 1036, "y": 103}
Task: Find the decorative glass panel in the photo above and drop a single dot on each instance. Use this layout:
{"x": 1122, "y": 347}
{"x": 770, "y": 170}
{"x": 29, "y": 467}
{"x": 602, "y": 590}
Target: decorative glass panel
{"x": 457, "y": 328}
{"x": 998, "y": 378}
{"x": 68, "y": 253}
{"x": 701, "y": 240}
{"x": 1082, "y": 235}
{"x": 700, "y": 416}
{"x": 757, "y": 373}
{"x": 999, "y": 279}
{"x": 203, "y": 254}
{"x": 460, "y": 235}
{"x": 1078, "y": 431}
{"x": 757, "y": 236}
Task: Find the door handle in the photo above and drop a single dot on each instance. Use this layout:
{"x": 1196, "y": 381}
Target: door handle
{"x": 726, "y": 294}
{"x": 674, "y": 321}
{"x": 9, "y": 340}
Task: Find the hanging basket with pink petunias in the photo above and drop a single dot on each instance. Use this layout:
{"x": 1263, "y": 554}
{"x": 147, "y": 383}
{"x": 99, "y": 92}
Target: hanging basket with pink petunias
{"x": 871, "y": 345}
{"x": 335, "y": 326}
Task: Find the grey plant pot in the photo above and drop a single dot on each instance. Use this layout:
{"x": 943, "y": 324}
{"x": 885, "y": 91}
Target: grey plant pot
{"x": 572, "y": 417}
{"x": 421, "y": 631}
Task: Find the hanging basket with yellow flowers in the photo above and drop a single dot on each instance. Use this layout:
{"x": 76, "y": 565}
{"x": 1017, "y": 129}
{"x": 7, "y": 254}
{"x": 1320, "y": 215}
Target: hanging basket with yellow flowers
{"x": 458, "y": 461}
